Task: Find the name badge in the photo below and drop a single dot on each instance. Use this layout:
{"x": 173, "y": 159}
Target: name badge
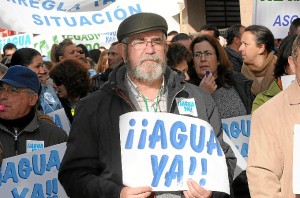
{"x": 33, "y": 145}
{"x": 187, "y": 106}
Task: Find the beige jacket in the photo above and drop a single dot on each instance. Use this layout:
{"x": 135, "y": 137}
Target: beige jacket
{"x": 270, "y": 159}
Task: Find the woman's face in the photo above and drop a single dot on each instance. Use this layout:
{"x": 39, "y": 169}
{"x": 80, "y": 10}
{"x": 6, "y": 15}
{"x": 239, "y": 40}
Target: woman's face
{"x": 205, "y": 59}
{"x": 70, "y": 52}
{"x": 61, "y": 90}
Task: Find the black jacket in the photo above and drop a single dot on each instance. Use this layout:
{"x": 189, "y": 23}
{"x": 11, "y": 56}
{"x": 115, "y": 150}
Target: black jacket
{"x": 37, "y": 129}
{"x": 91, "y": 166}
{"x": 235, "y": 58}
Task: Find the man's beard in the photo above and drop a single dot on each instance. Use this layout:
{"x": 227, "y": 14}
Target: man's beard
{"x": 146, "y": 72}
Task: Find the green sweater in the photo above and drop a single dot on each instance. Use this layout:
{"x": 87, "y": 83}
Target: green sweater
{"x": 263, "y": 97}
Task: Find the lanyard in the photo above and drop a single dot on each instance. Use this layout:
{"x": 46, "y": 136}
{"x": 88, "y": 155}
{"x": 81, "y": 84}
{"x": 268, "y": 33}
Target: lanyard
{"x": 156, "y": 103}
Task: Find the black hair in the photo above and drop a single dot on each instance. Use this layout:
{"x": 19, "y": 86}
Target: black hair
{"x": 233, "y": 31}
{"x": 294, "y": 26}
{"x": 262, "y": 36}
{"x": 9, "y": 46}
{"x": 86, "y": 51}
{"x": 211, "y": 27}
{"x": 180, "y": 37}
{"x": 24, "y": 56}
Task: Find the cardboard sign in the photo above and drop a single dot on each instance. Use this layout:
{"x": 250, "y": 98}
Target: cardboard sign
{"x": 33, "y": 174}
{"x": 238, "y": 130}
{"x": 165, "y": 150}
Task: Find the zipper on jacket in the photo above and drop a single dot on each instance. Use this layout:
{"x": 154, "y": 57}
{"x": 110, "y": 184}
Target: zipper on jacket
{"x": 16, "y": 141}
{"x": 124, "y": 97}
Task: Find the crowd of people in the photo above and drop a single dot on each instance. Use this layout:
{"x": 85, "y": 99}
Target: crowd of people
{"x": 149, "y": 70}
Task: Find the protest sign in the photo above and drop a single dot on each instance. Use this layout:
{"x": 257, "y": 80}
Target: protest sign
{"x": 241, "y": 163}
{"x": 60, "y": 118}
{"x": 33, "y": 174}
{"x": 20, "y": 40}
{"x": 277, "y": 15}
{"x": 238, "y": 130}
{"x": 287, "y": 80}
{"x": 296, "y": 160}
{"x": 49, "y": 17}
{"x": 165, "y": 150}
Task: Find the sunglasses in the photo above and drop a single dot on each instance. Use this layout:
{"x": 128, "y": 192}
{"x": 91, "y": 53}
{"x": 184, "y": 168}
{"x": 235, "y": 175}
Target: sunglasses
{"x": 81, "y": 52}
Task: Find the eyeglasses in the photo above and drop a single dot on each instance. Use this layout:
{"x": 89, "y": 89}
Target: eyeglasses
{"x": 205, "y": 54}
{"x": 14, "y": 90}
{"x": 138, "y": 44}
{"x": 81, "y": 52}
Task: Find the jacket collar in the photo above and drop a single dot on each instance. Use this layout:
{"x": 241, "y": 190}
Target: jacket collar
{"x": 32, "y": 126}
{"x": 293, "y": 93}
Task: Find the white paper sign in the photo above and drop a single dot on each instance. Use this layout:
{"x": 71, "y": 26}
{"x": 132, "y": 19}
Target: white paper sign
{"x": 277, "y": 15}
{"x": 296, "y": 160}
{"x": 238, "y": 130}
{"x": 60, "y": 118}
{"x": 165, "y": 150}
{"x": 287, "y": 80}
{"x": 33, "y": 174}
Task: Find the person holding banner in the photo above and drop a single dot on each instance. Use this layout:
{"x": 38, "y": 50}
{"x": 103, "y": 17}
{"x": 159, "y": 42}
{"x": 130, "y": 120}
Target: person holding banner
{"x": 92, "y": 166}
{"x": 21, "y": 130}
{"x": 270, "y": 159}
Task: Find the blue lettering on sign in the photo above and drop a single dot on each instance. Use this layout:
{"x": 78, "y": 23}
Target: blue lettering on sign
{"x": 83, "y": 21}
{"x": 284, "y": 20}
{"x": 38, "y": 165}
{"x": 157, "y": 137}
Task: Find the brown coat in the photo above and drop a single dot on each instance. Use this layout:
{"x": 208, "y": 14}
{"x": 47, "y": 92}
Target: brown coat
{"x": 270, "y": 159}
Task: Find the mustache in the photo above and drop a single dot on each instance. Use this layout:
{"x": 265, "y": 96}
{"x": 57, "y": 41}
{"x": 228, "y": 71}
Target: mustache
{"x": 149, "y": 57}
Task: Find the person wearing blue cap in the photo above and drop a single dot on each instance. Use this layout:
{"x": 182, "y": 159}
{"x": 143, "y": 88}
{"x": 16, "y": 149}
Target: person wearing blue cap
{"x": 19, "y": 126}
{"x": 92, "y": 165}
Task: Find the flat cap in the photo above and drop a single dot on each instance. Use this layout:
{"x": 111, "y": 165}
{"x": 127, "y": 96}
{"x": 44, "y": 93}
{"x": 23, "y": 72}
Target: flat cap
{"x": 141, "y": 22}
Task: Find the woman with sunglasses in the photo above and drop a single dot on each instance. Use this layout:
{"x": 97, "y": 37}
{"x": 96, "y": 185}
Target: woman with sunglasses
{"x": 71, "y": 81}
{"x": 83, "y": 51}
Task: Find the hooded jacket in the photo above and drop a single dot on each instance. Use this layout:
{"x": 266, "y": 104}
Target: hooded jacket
{"x": 92, "y": 166}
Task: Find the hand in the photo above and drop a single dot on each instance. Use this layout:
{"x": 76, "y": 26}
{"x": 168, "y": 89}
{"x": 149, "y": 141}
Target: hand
{"x": 140, "y": 192}
{"x": 196, "y": 191}
{"x": 208, "y": 83}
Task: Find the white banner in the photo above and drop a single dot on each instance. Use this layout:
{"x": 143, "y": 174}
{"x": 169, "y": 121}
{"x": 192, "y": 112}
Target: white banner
{"x": 276, "y": 15}
{"x": 238, "y": 130}
{"x": 50, "y": 17}
{"x": 20, "y": 40}
{"x": 165, "y": 150}
{"x": 33, "y": 174}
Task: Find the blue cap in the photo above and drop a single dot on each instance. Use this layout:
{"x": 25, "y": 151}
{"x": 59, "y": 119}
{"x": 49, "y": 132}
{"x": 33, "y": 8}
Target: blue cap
{"x": 21, "y": 77}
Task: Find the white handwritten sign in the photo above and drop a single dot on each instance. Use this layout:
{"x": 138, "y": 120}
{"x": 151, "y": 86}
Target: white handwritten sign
{"x": 238, "y": 130}
{"x": 165, "y": 150}
{"x": 33, "y": 174}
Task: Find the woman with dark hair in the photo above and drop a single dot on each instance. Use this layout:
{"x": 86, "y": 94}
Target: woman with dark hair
{"x": 282, "y": 68}
{"x": 72, "y": 82}
{"x": 31, "y": 58}
{"x": 178, "y": 58}
{"x": 230, "y": 90}
{"x": 83, "y": 51}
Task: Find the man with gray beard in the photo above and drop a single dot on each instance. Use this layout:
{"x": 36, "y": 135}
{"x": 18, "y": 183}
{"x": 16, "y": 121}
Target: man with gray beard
{"x": 91, "y": 166}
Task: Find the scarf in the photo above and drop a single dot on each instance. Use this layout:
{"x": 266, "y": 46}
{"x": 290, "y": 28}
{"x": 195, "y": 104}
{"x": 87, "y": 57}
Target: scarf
{"x": 266, "y": 71}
